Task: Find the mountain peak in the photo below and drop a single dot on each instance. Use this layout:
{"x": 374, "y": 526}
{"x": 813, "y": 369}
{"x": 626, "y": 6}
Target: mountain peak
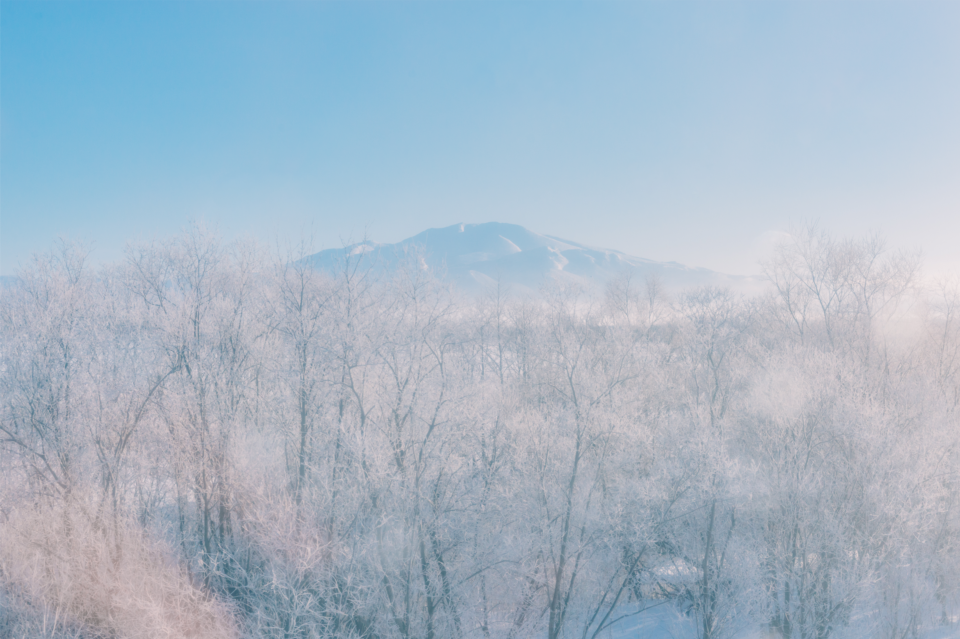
{"x": 477, "y": 256}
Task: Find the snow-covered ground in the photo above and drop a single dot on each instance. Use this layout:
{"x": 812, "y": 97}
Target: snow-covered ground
{"x": 665, "y": 621}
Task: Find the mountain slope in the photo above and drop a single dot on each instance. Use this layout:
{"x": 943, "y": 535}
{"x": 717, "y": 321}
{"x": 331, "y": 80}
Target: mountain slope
{"x": 476, "y": 256}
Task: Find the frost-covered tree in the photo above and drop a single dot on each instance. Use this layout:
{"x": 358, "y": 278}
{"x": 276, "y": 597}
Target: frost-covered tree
{"x": 203, "y": 440}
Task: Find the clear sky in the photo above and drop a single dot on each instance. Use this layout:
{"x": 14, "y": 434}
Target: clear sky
{"x": 668, "y": 130}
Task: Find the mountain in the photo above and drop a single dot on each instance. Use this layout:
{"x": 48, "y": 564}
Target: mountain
{"x": 476, "y": 256}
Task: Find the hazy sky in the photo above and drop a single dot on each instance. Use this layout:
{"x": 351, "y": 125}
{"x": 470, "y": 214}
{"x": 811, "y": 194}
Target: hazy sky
{"x": 668, "y": 130}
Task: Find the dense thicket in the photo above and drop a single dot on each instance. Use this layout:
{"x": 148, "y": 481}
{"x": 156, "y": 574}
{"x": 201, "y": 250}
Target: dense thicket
{"x": 202, "y": 442}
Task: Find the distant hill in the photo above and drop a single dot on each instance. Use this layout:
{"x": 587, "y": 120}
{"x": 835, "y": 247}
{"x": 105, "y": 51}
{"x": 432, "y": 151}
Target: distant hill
{"x": 476, "y": 256}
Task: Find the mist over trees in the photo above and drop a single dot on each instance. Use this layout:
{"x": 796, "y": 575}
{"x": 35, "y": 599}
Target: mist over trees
{"x": 206, "y": 441}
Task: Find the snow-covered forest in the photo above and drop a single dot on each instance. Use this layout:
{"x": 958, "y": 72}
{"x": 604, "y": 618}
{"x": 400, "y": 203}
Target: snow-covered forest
{"x": 209, "y": 441}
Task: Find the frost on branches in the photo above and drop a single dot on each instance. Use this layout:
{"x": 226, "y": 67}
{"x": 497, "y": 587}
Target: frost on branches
{"x": 203, "y": 441}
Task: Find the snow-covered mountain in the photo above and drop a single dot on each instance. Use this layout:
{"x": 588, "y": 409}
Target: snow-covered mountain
{"x": 476, "y": 256}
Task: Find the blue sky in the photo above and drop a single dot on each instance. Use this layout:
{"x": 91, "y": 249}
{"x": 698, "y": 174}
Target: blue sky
{"x": 669, "y": 130}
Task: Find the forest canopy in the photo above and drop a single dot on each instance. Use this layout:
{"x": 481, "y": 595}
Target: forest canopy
{"x": 208, "y": 441}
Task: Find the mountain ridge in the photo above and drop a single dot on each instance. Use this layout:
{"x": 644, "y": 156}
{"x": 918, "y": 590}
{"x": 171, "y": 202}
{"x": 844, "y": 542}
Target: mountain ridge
{"x": 475, "y": 257}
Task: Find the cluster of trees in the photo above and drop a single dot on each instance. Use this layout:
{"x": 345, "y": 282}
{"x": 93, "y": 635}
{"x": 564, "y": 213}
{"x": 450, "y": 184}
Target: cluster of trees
{"x": 204, "y": 442}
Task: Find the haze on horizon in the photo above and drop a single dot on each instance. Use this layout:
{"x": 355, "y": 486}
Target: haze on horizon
{"x": 690, "y": 132}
